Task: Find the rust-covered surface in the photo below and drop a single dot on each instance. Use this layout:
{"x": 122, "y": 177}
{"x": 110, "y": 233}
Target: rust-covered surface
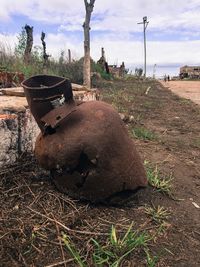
{"x": 42, "y": 90}
{"x": 86, "y": 147}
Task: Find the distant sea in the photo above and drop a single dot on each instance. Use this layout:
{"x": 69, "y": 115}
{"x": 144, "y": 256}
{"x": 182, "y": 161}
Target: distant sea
{"x": 159, "y": 71}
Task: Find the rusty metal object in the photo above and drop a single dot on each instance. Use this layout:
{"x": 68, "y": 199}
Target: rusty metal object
{"x": 42, "y": 90}
{"x": 88, "y": 151}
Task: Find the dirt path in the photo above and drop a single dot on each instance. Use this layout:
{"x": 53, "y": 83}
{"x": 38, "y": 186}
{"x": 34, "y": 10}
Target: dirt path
{"x": 186, "y": 89}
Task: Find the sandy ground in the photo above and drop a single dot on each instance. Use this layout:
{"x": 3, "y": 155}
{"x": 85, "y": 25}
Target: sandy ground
{"x": 186, "y": 89}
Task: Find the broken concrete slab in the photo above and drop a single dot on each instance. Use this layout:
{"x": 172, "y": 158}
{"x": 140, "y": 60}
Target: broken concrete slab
{"x": 18, "y": 132}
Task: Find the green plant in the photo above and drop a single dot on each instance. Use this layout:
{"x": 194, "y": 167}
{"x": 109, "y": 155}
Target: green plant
{"x": 114, "y": 250}
{"x": 75, "y": 254}
{"x": 97, "y": 68}
{"x": 158, "y": 214}
{"x": 21, "y": 45}
{"x": 151, "y": 260}
{"x": 163, "y": 185}
{"x": 143, "y": 134}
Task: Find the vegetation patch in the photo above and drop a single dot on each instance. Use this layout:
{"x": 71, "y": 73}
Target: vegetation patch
{"x": 143, "y": 134}
{"x": 158, "y": 214}
{"x": 161, "y": 184}
{"x": 115, "y": 250}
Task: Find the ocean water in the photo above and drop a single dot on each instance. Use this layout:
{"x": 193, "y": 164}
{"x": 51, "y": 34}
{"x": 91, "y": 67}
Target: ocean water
{"x": 159, "y": 71}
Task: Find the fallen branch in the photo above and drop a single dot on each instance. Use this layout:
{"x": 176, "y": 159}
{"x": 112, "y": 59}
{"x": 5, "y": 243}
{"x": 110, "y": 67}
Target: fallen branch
{"x": 59, "y": 263}
{"x": 65, "y": 227}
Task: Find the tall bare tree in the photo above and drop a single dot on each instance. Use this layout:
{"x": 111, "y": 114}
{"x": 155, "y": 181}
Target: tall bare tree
{"x": 86, "y": 25}
{"x": 45, "y": 55}
{"x": 29, "y": 43}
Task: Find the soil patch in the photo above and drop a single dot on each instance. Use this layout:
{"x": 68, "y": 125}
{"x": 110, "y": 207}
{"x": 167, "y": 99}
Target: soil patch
{"x": 34, "y": 215}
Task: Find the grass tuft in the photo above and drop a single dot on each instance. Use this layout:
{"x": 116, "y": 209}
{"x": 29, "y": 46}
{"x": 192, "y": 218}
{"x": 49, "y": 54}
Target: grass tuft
{"x": 151, "y": 260}
{"x": 163, "y": 185}
{"x": 143, "y": 134}
{"x": 71, "y": 248}
{"x": 115, "y": 248}
{"x": 158, "y": 214}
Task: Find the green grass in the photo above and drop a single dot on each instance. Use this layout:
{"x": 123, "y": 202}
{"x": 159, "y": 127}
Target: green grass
{"x": 151, "y": 260}
{"x": 158, "y": 214}
{"x": 115, "y": 249}
{"x": 74, "y": 253}
{"x": 143, "y": 134}
{"x": 161, "y": 184}
{"x": 118, "y": 248}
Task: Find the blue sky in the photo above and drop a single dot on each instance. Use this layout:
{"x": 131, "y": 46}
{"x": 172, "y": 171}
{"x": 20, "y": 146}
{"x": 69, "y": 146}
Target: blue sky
{"x": 173, "y": 33}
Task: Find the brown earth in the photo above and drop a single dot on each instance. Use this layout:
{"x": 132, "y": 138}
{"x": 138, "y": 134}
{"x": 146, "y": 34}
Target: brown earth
{"x": 186, "y": 89}
{"x": 34, "y": 214}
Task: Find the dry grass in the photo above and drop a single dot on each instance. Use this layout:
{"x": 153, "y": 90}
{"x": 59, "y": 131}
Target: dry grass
{"x": 34, "y": 217}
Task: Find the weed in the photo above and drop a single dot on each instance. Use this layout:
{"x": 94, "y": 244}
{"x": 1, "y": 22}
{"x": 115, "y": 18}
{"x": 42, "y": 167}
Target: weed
{"x": 143, "y": 134}
{"x": 163, "y": 185}
{"x": 75, "y": 254}
{"x": 151, "y": 261}
{"x": 158, "y": 214}
{"x": 115, "y": 249}
{"x": 184, "y": 101}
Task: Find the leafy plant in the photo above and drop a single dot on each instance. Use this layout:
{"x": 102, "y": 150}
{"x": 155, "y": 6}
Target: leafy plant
{"x": 138, "y": 72}
{"x": 21, "y": 45}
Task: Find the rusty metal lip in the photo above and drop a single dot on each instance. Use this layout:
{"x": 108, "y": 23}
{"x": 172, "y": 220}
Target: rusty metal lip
{"x": 46, "y": 87}
{"x": 53, "y": 86}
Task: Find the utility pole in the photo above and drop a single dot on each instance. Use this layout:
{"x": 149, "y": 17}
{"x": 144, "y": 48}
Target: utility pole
{"x": 145, "y": 24}
{"x": 154, "y": 71}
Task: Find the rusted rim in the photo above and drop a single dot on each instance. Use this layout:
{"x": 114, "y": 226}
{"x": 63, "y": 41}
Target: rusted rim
{"x": 43, "y": 88}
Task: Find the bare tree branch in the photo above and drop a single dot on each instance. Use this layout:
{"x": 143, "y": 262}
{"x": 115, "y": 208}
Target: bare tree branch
{"x": 86, "y": 25}
{"x": 45, "y": 55}
{"x": 29, "y": 43}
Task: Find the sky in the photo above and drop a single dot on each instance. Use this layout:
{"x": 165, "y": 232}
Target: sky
{"x": 173, "y": 32}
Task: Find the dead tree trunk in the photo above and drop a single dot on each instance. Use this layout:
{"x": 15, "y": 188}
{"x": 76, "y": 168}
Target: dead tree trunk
{"x": 29, "y": 44}
{"x": 69, "y": 56}
{"x": 86, "y": 25}
{"x": 45, "y": 55}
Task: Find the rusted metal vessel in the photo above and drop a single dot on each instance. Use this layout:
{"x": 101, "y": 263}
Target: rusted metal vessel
{"x": 85, "y": 145}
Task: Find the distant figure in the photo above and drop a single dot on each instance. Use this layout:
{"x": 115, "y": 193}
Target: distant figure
{"x": 168, "y": 78}
{"x": 165, "y": 78}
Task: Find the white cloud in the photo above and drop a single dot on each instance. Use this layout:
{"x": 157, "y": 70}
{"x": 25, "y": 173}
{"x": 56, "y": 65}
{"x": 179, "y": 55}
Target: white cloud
{"x": 8, "y": 42}
{"x": 115, "y": 15}
{"x": 117, "y": 20}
